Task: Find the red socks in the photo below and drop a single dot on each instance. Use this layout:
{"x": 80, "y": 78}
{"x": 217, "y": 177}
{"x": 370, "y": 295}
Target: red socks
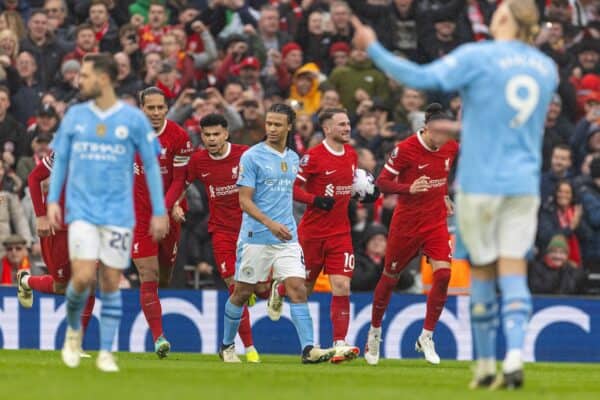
{"x": 436, "y": 299}
{"x": 42, "y": 283}
{"x": 281, "y": 290}
{"x": 151, "y": 307}
{"x": 245, "y": 330}
{"x": 87, "y": 311}
{"x": 381, "y": 299}
{"x": 340, "y": 316}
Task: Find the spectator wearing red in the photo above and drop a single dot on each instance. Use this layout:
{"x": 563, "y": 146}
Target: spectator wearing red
{"x": 151, "y": 33}
{"x": 168, "y": 81}
{"x": 339, "y": 54}
{"x": 172, "y": 51}
{"x": 16, "y": 259}
{"x": 85, "y": 43}
{"x": 286, "y": 63}
{"x": 107, "y": 33}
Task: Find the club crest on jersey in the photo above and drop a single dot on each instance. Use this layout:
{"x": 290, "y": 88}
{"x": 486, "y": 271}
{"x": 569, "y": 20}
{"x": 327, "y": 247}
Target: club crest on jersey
{"x": 234, "y": 172}
{"x": 121, "y": 132}
{"x": 304, "y": 161}
{"x": 284, "y": 166}
{"x": 101, "y": 130}
{"x": 447, "y": 164}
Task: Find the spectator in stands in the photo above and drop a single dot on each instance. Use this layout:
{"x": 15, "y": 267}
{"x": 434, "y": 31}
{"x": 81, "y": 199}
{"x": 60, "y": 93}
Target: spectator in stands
{"x": 369, "y": 259}
{"x": 151, "y": 33}
{"x": 313, "y": 38}
{"x": 65, "y": 30}
{"x": 13, "y": 137}
{"x": 48, "y": 53}
{"x": 46, "y": 122}
{"x": 12, "y": 20}
{"x": 560, "y": 169}
{"x": 590, "y": 198}
{"x": 366, "y": 160}
{"x": 67, "y": 89}
{"x": 366, "y": 133}
{"x": 14, "y": 258}
{"x": 562, "y": 214}
{"x": 151, "y": 68}
{"x": 584, "y": 127}
{"x": 168, "y": 81}
{"x": 588, "y": 57}
{"x": 9, "y": 47}
{"x": 127, "y": 81}
{"x": 40, "y": 145}
{"x": 184, "y": 64}
{"x": 11, "y": 212}
{"x": 409, "y": 111}
{"x": 129, "y": 41}
{"x": 232, "y": 91}
{"x": 268, "y": 28}
{"x": 85, "y": 43}
{"x": 554, "y": 273}
{"x": 304, "y": 92}
{"x": 208, "y": 54}
{"x": 558, "y": 129}
{"x": 442, "y": 41}
{"x": 359, "y": 74}
{"x": 25, "y": 89}
{"x": 106, "y": 30}
{"x": 339, "y": 55}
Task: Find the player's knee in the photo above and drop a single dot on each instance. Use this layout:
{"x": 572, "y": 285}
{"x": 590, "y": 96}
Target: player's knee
{"x": 241, "y": 294}
{"x": 340, "y": 287}
{"x": 59, "y": 287}
{"x": 394, "y": 276}
{"x": 296, "y": 293}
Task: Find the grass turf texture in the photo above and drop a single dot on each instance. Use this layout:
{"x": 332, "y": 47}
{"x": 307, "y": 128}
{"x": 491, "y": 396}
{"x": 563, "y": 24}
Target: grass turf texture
{"x": 40, "y": 375}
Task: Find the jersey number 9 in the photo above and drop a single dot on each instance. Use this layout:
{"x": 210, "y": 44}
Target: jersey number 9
{"x": 522, "y": 94}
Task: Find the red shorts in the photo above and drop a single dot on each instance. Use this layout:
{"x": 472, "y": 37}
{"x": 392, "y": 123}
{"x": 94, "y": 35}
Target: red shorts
{"x": 335, "y": 254}
{"x": 401, "y": 248}
{"x": 224, "y": 249}
{"x": 166, "y": 249}
{"x": 55, "y": 253}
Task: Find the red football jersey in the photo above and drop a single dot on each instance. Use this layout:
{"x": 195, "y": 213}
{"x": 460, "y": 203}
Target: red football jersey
{"x": 176, "y": 149}
{"x": 327, "y": 173}
{"x": 410, "y": 160}
{"x": 40, "y": 173}
{"x": 219, "y": 176}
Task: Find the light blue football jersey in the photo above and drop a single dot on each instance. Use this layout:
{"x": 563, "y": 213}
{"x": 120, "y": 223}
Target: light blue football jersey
{"x": 506, "y": 88}
{"x": 95, "y": 152}
{"x": 272, "y": 175}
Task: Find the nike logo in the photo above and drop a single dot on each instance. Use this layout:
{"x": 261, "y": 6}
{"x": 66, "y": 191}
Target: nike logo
{"x": 422, "y": 166}
{"x": 205, "y": 175}
{"x": 329, "y": 172}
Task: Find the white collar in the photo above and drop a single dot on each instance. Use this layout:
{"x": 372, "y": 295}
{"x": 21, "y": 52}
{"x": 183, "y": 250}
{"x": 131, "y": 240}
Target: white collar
{"x": 272, "y": 150}
{"x": 332, "y": 151}
{"x": 227, "y": 152}
{"x": 423, "y": 142}
{"x": 162, "y": 129}
{"x": 106, "y": 113}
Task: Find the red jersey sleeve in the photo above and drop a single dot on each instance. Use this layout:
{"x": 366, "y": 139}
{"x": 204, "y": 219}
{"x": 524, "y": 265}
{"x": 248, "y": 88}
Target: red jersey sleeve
{"x": 305, "y": 171}
{"x": 180, "y": 162}
{"x": 396, "y": 163}
{"x": 40, "y": 173}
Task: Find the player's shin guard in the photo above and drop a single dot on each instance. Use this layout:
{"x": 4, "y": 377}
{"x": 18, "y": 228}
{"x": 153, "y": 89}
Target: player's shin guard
{"x": 436, "y": 299}
{"x": 110, "y": 317}
{"x": 516, "y": 308}
{"x": 41, "y": 283}
{"x": 75, "y": 304}
{"x": 340, "y": 316}
{"x": 484, "y": 317}
{"x": 86, "y": 315}
{"x": 303, "y": 323}
{"x": 231, "y": 319}
{"x": 381, "y": 298}
{"x": 152, "y": 308}
{"x": 244, "y": 330}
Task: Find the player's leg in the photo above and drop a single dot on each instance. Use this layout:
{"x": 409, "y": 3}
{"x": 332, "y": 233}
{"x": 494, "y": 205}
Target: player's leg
{"x": 399, "y": 251}
{"x": 477, "y": 223}
{"x": 517, "y": 229}
{"x": 167, "y": 254}
{"x": 288, "y": 267}
{"x": 84, "y": 245}
{"x": 437, "y": 248}
{"x": 115, "y": 251}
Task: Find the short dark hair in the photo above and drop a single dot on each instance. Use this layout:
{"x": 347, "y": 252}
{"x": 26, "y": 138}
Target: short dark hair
{"x": 103, "y": 62}
{"x": 436, "y": 111}
{"x": 99, "y": 2}
{"x": 157, "y": 3}
{"x": 83, "y": 27}
{"x": 562, "y": 146}
{"x": 5, "y": 89}
{"x": 328, "y": 113}
{"x": 37, "y": 11}
{"x": 150, "y": 91}
{"x": 213, "y": 120}
{"x": 282, "y": 108}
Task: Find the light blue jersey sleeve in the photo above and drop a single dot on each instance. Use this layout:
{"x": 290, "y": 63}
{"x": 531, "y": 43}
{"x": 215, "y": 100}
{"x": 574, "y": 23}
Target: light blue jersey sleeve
{"x": 149, "y": 149}
{"x": 449, "y": 73}
{"x": 61, "y": 144}
{"x": 248, "y": 171}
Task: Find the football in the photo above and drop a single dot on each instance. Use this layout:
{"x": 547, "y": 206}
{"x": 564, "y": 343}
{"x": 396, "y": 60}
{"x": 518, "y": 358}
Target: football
{"x": 363, "y": 184}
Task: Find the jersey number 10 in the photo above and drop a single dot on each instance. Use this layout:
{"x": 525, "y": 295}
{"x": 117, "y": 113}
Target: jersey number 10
{"x": 522, "y": 94}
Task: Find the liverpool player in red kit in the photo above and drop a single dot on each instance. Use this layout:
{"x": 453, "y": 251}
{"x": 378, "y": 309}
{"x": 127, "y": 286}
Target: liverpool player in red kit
{"x": 417, "y": 170}
{"x": 155, "y": 261}
{"x": 217, "y": 167}
{"x": 54, "y": 244}
{"x": 324, "y": 182}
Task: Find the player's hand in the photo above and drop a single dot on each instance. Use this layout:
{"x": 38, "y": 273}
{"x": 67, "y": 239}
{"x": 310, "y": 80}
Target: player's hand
{"x": 280, "y": 231}
{"x": 324, "y": 202}
{"x": 363, "y": 34}
{"x": 420, "y": 185}
{"x": 178, "y": 214}
{"x": 159, "y": 227}
{"x": 43, "y": 228}
{"x": 54, "y": 215}
{"x": 449, "y": 205}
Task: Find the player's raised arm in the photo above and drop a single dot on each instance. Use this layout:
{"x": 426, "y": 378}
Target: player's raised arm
{"x": 449, "y": 73}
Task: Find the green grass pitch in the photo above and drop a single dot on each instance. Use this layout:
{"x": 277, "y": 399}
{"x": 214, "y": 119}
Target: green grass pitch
{"x": 40, "y": 375}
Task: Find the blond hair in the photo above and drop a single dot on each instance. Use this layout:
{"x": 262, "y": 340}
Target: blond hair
{"x": 7, "y": 33}
{"x": 15, "y": 23}
{"x": 527, "y": 16}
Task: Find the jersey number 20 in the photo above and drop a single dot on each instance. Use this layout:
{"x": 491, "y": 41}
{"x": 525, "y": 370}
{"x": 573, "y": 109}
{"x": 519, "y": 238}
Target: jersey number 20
{"x": 522, "y": 94}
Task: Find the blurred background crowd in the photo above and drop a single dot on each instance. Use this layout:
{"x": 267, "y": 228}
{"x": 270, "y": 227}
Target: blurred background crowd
{"x": 236, "y": 57}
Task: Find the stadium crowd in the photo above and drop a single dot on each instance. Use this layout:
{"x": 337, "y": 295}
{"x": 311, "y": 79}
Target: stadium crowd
{"x": 237, "y": 57}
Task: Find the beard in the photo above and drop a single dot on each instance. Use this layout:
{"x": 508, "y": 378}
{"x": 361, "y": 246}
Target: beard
{"x": 93, "y": 93}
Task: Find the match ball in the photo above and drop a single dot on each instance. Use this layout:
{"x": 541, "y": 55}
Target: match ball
{"x": 363, "y": 184}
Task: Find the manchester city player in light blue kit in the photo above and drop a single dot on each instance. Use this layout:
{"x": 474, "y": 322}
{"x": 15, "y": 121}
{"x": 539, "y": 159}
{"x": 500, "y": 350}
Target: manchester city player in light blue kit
{"x": 506, "y": 86}
{"x": 268, "y": 235}
{"x": 94, "y": 150}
